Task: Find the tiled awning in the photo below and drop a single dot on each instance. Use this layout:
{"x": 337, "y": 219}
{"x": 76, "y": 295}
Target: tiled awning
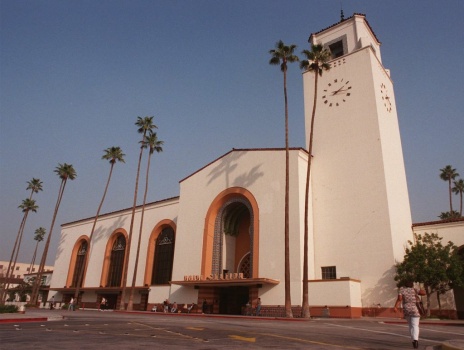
{"x": 245, "y": 282}
{"x": 100, "y": 290}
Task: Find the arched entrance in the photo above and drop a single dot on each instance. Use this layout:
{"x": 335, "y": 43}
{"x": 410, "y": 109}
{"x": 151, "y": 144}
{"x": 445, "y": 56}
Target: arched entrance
{"x": 234, "y": 210}
{"x": 230, "y": 246}
{"x": 233, "y": 239}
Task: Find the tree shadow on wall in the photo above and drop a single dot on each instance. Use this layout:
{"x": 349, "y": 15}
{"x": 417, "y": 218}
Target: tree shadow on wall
{"x": 98, "y": 235}
{"x": 228, "y": 164}
{"x": 382, "y": 295}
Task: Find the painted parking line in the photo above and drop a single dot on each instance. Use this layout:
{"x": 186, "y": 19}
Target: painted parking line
{"x": 309, "y": 341}
{"x": 382, "y": 332}
{"x": 300, "y": 340}
{"x": 237, "y": 337}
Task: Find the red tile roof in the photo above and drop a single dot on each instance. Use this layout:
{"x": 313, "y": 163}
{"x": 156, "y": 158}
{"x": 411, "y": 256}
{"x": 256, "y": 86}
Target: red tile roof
{"x": 344, "y": 20}
{"x": 445, "y": 221}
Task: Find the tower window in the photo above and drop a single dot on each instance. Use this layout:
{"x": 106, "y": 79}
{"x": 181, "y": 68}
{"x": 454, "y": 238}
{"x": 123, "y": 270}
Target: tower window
{"x": 329, "y": 272}
{"x": 336, "y": 49}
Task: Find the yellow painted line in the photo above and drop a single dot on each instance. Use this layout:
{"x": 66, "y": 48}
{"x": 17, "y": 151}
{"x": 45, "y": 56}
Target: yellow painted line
{"x": 237, "y": 337}
{"x": 195, "y": 328}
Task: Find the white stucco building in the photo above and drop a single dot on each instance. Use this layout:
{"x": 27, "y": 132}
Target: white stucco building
{"x": 222, "y": 239}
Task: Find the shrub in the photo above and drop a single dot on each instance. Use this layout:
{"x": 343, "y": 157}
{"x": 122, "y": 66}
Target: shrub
{"x": 8, "y": 309}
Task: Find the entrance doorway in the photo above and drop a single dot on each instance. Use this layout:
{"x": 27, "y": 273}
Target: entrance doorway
{"x": 111, "y": 301}
{"x": 232, "y": 299}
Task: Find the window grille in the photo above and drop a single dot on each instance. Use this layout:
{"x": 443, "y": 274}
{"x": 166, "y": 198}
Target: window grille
{"x": 329, "y": 273}
{"x": 245, "y": 266}
{"x": 164, "y": 256}
{"x": 117, "y": 262}
{"x": 80, "y": 259}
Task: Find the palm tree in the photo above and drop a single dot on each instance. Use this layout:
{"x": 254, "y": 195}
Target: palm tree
{"x": 145, "y": 125}
{"x": 449, "y": 215}
{"x": 39, "y": 237}
{"x": 448, "y": 174}
{"x": 113, "y": 154}
{"x": 459, "y": 189}
{"x": 35, "y": 185}
{"x": 65, "y": 172}
{"x": 26, "y": 206}
{"x": 316, "y": 62}
{"x": 151, "y": 141}
{"x": 282, "y": 55}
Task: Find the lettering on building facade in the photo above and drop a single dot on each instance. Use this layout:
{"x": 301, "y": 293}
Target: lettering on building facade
{"x": 215, "y": 277}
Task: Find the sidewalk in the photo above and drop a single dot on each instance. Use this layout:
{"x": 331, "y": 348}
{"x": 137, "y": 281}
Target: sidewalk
{"x": 33, "y": 315}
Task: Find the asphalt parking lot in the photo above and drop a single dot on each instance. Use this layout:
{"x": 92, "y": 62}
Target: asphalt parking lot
{"x": 115, "y": 330}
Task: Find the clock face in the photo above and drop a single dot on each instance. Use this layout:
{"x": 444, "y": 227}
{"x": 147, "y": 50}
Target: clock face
{"x": 385, "y": 97}
{"x": 336, "y": 93}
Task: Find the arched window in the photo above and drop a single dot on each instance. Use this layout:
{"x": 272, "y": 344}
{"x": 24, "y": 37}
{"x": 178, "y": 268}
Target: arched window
{"x": 117, "y": 262}
{"x": 80, "y": 262}
{"x": 164, "y": 256}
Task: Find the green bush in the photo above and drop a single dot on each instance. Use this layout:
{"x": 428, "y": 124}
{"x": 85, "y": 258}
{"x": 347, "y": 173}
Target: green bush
{"x": 8, "y": 309}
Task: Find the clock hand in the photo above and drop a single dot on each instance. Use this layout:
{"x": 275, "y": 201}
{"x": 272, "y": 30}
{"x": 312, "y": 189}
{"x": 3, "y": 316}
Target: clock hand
{"x": 337, "y": 91}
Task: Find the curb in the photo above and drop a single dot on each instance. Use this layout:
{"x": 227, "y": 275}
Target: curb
{"x": 19, "y": 320}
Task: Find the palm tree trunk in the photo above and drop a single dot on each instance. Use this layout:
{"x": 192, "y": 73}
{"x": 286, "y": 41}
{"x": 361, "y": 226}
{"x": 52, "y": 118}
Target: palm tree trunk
{"x": 305, "y": 304}
{"x": 129, "y": 240}
{"x": 9, "y": 271}
{"x": 131, "y": 296}
{"x": 450, "y": 196}
{"x": 33, "y": 257}
{"x": 19, "y": 246}
{"x": 288, "y": 301}
{"x": 439, "y": 301}
{"x": 21, "y": 228}
{"x": 87, "y": 253}
{"x": 460, "y": 206}
{"x": 37, "y": 282}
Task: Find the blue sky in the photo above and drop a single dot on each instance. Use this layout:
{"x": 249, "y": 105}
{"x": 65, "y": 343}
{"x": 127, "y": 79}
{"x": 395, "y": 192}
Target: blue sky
{"x": 74, "y": 76}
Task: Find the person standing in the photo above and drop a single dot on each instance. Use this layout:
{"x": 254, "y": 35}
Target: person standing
{"x": 204, "y": 306}
{"x": 408, "y": 296}
{"x": 174, "y": 308}
{"x": 71, "y": 305}
{"x": 258, "y": 306}
{"x": 248, "y": 309}
{"x": 103, "y": 304}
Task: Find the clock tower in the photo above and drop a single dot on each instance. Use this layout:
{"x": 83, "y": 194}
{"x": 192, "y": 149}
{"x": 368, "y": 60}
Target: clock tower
{"x": 361, "y": 216}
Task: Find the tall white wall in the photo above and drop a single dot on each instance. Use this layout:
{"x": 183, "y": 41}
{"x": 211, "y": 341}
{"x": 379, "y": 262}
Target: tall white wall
{"x": 360, "y": 200}
{"x": 262, "y": 173}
